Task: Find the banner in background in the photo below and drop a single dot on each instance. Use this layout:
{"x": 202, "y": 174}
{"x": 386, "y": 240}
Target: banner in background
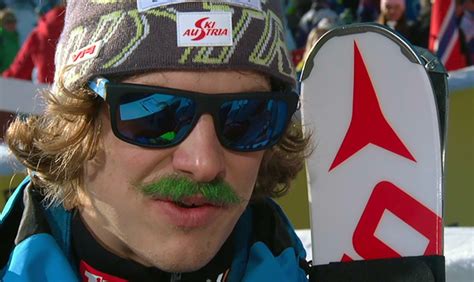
{"x": 444, "y": 35}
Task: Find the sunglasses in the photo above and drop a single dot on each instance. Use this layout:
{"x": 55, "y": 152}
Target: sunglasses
{"x": 158, "y": 117}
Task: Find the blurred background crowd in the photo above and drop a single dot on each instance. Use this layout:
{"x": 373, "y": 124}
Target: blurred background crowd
{"x": 29, "y": 32}
{"x": 29, "y": 29}
{"x": 446, "y": 27}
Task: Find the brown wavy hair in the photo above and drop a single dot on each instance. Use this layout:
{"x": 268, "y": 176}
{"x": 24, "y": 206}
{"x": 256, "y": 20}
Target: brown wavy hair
{"x": 55, "y": 146}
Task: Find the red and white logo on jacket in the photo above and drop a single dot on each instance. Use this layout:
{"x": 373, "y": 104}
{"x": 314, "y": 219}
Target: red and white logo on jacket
{"x": 204, "y": 29}
{"x": 90, "y": 274}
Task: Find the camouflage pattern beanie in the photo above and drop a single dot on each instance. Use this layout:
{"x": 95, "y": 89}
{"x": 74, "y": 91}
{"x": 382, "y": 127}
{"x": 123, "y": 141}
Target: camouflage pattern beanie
{"x": 121, "y": 37}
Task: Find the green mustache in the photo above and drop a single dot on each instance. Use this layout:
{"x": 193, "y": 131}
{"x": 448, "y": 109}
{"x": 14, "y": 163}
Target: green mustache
{"x": 179, "y": 187}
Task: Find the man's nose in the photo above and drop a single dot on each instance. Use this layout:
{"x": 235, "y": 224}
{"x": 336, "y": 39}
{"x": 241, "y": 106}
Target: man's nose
{"x": 200, "y": 155}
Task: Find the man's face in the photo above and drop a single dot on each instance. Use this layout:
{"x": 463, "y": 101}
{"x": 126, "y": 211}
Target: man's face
{"x": 160, "y": 233}
{"x": 393, "y": 11}
{"x": 469, "y": 5}
{"x": 10, "y": 25}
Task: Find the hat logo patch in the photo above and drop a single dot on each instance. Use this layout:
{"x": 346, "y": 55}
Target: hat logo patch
{"x": 89, "y": 52}
{"x": 204, "y": 29}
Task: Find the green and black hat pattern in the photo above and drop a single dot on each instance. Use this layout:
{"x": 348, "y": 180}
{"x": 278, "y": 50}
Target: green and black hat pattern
{"x": 111, "y": 37}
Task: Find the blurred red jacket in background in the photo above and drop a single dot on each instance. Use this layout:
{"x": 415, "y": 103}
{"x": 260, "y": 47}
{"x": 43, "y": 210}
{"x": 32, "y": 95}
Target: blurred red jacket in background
{"x": 39, "y": 48}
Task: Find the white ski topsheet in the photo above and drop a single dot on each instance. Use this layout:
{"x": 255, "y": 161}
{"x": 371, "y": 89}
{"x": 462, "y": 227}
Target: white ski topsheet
{"x": 375, "y": 177}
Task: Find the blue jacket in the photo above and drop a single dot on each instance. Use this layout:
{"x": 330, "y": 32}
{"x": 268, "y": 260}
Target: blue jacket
{"x": 35, "y": 243}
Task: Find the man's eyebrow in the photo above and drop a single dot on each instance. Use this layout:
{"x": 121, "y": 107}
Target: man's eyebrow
{"x": 260, "y": 87}
{"x": 257, "y": 88}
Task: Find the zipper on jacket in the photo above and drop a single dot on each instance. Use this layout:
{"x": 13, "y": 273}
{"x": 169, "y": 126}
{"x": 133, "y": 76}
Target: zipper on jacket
{"x": 175, "y": 277}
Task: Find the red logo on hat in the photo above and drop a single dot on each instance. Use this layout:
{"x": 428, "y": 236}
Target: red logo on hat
{"x": 82, "y": 53}
{"x": 205, "y": 27}
{"x": 89, "y": 52}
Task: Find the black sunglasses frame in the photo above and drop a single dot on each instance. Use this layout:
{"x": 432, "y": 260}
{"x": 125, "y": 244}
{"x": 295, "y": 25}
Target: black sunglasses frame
{"x": 205, "y": 104}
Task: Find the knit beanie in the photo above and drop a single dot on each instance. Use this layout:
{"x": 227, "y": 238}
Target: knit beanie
{"x": 121, "y": 37}
{"x": 6, "y": 16}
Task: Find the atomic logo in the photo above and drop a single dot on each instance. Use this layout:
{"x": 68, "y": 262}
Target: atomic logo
{"x": 368, "y": 124}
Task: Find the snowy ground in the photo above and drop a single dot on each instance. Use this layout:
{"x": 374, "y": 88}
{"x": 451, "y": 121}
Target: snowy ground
{"x": 458, "y": 251}
{"x": 7, "y": 163}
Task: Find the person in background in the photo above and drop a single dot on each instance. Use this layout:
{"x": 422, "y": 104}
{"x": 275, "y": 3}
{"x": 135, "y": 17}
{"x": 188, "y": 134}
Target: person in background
{"x": 348, "y": 13}
{"x": 466, "y": 25}
{"x": 38, "y": 49}
{"x": 420, "y": 32}
{"x": 24, "y": 11}
{"x": 368, "y": 10}
{"x": 392, "y": 14}
{"x": 9, "y": 40}
{"x": 294, "y": 10}
{"x": 320, "y": 9}
{"x": 9, "y": 45}
{"x": 317, "y": 32}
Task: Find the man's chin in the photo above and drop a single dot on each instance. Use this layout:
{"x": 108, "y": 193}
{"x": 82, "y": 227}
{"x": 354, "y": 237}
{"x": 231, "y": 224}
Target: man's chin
{"x": 181, "y": 264}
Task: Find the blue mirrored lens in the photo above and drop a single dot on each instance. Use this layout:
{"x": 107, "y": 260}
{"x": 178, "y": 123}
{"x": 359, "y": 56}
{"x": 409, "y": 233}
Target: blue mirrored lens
{"x": 251, "y": 124}
{"x": 155, "y": 119}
